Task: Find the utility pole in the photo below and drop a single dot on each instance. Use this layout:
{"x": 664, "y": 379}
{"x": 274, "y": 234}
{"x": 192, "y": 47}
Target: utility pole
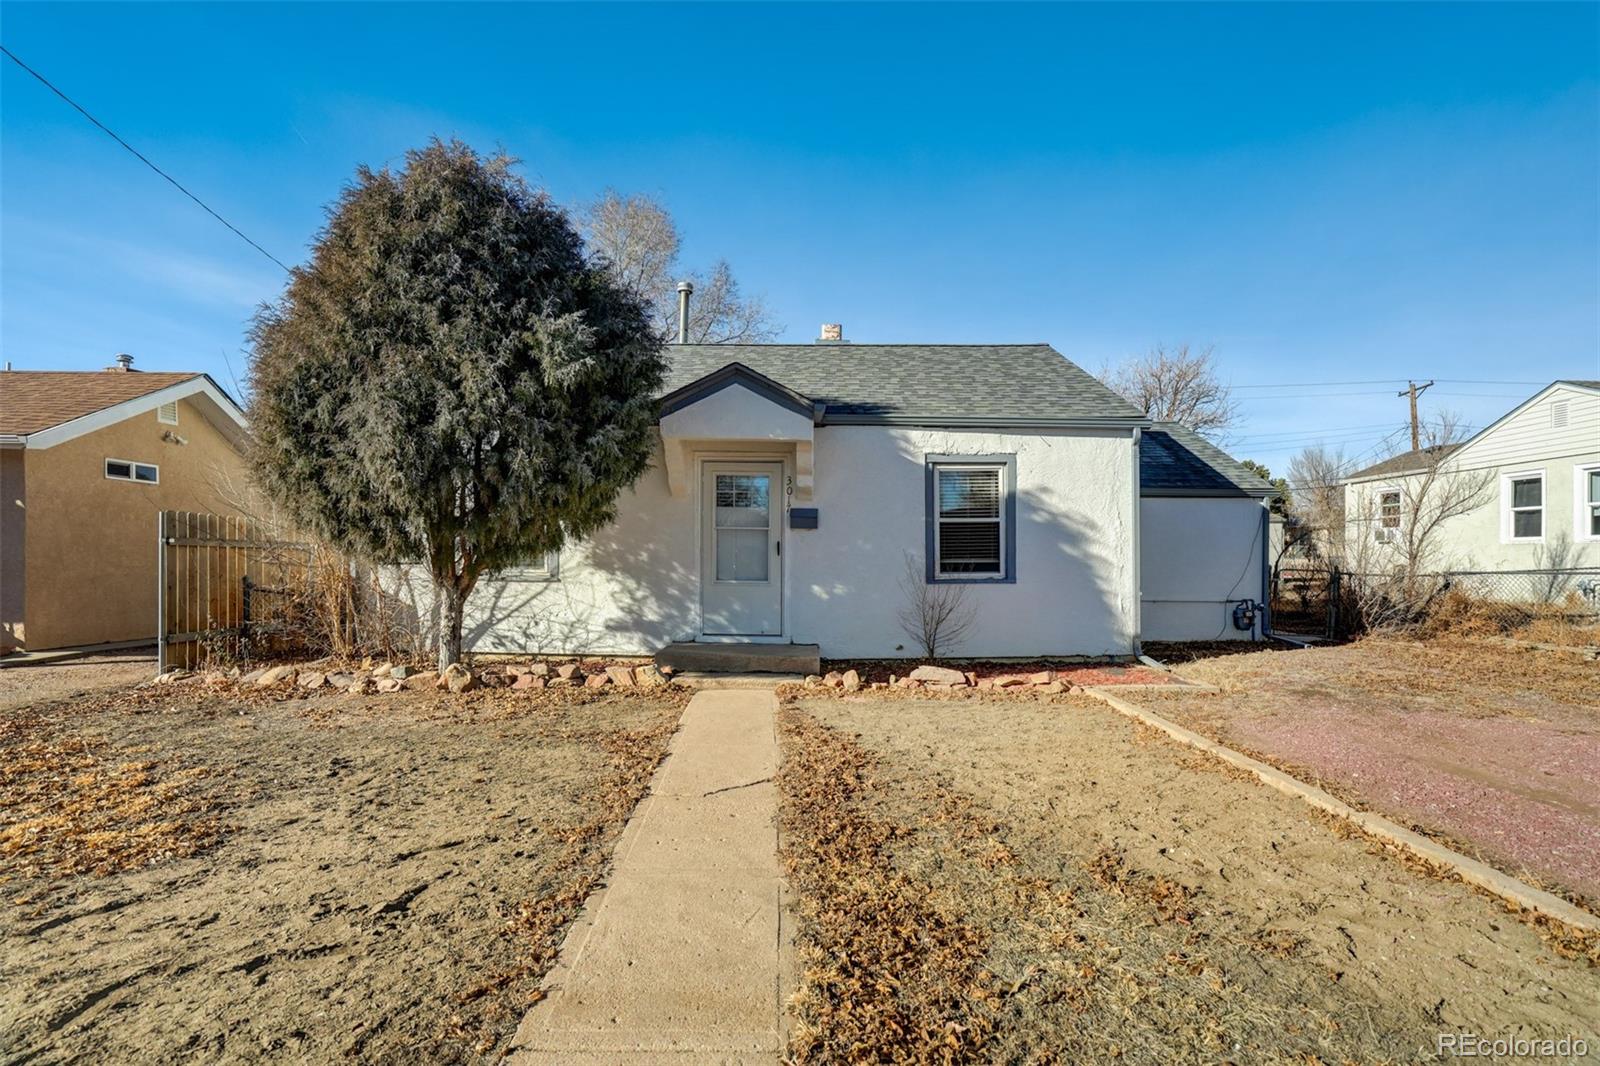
{"x": 1414, "y": 390}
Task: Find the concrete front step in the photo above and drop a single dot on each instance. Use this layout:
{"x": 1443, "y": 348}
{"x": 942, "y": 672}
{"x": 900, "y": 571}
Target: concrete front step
{"x": 696, "y": 679}
{"x": 686, "y": 657}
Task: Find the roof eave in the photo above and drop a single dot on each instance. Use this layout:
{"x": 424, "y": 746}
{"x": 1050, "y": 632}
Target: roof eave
{"x": 1225, "y": 494}
{"x": 233, "y": 423}
{"x": 849, "y": 418}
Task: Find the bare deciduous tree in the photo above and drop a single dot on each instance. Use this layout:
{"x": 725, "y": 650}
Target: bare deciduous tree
{"x": 938, "y": 617}
{"x": 639, "y": 241}
{"x": 1316, "y": 498}
{"x": 1400, "y": 558}
{"x": 1176, "y": 385}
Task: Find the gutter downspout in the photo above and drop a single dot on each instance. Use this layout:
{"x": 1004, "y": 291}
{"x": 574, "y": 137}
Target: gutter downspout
{"x": 1138, "y": 591}
{"x": 1266, "y": 568}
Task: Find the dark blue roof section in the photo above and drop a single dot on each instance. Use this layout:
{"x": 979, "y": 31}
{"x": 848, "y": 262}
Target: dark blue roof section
{"x": 1174, "y": 461}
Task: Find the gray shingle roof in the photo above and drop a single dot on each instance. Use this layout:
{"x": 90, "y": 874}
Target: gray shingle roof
{"x": 918, "y": 383}
{"x": 1176, "y": 461}
{"x": 1580, "y": 384}
{"x": 1403, "y": 463}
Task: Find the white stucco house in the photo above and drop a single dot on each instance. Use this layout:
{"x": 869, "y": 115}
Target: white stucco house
{"x": 792, "y": 484}
{"x": 1538, "y": 469}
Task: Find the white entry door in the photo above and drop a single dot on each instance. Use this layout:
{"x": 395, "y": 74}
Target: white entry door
{"x": 741, "y": 549}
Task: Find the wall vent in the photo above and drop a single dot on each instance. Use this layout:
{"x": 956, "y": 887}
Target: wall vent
{"x": 167, "y": 413}
{"x": 1558, "y": 415}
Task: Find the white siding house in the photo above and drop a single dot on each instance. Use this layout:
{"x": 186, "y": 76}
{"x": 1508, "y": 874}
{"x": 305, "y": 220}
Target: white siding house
{"x": 801, "y": 493}
{"x": 1539, "y": 468}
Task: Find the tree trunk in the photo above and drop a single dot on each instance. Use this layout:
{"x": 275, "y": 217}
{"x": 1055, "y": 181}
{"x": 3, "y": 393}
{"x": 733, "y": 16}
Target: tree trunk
{"x": 451, "y": 602}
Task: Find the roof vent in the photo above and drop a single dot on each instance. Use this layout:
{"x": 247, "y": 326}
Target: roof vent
{"x": 832, "y": 333}
{"x": 1558, "y": 415}
{"x": 124, "y": 362}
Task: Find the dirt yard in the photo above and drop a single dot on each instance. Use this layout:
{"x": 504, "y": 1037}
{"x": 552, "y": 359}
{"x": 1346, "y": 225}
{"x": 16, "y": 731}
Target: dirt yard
{"x": 21, "y": 685}
{"x": 994, "y": 879}
{"x": 195, "y": 873}
{"x": 1494, "y": 749}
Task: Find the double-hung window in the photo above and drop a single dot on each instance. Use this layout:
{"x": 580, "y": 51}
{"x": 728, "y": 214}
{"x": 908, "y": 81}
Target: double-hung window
{"x": 970, "y": 517}
{"x": 1522, "y": 497}
{"x": 1389, "y": 511}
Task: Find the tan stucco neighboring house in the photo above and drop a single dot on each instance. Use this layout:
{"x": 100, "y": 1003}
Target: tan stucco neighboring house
{"x": 1538, "y": 471}
{"x": 88, "y": 459}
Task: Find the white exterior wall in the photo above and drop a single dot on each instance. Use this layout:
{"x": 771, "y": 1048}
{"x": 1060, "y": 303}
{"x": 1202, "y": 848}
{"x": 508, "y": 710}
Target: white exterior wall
{"x": 635, "y": 587}
{"x": 1525, "y": 442}
{"x": 1199, "y": 556}
{"x": 1074, "y": 590}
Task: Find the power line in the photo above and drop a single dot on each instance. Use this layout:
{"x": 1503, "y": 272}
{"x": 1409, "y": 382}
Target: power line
{"x": 141, "y": 157}
{"x": 1303, "y": 432}
{"x": 1374, "y": 381}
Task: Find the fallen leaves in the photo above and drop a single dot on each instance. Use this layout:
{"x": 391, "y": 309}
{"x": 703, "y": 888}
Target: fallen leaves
{"x": 70, "y": 804}
{"x": 889, "y": 975}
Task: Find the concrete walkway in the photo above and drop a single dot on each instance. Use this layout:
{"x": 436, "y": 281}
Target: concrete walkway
{"x": 682, "y": 956}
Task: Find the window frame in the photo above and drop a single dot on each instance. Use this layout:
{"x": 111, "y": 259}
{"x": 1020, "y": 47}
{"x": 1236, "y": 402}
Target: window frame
{"x": 1006, "y": 465}
{"x": 548, "y": 570}
{"x": 133, "y": 466}
{"x": 1584, "y": 508}
{"x": 1386, "y": 534}
{"x": 1508, "y": 511}
{"x": 772, "y": 533}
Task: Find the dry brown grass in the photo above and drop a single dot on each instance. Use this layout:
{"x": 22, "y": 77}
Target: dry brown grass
{"x": 1460, "y": 615}
{"x": 926, "y": 937}
{"x": 394, "y": 876}
{"x": 72, "y": 804}
{"x": 889, "y": 976}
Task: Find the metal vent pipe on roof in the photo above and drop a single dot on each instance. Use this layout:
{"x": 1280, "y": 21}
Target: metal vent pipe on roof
{"x": 684, "y": 290}
{"x": 124, "y": 362}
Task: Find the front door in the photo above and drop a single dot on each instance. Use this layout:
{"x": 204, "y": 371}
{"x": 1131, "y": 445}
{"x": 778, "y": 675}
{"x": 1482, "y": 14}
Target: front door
{"x": 741, "y": 553}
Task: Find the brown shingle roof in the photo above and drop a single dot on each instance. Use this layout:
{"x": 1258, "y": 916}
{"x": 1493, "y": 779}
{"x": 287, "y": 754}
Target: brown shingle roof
{"x": 35, "y": 400}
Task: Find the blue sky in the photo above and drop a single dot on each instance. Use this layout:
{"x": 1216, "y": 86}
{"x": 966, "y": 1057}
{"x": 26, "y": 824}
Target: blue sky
{"x": 1324, "y": 193}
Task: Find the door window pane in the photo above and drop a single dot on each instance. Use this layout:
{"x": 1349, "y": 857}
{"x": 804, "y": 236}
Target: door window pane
{"x": 741, "y": 555}
{"x": 742, "y": 516}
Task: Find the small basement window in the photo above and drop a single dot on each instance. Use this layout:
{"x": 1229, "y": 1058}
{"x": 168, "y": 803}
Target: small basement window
{"x": 167, "y": 413}
{"x": 969, "y": 535}
{"x": 1523, "y": 495}
{"x": 127, "y": 470}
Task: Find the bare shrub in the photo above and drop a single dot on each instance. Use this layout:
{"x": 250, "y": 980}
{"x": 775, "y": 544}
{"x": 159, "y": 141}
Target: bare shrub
{"x": 318, "y": 601}
{"x": 937, "y": 616}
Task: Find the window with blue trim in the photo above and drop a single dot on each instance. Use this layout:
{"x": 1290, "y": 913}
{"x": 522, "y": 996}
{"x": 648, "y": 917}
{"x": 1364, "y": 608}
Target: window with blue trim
{"x": 969, "y": 531}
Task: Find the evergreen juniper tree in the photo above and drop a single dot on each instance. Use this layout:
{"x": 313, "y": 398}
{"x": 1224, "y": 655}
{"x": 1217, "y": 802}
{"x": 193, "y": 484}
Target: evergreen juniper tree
{"x": 451, "y": 381}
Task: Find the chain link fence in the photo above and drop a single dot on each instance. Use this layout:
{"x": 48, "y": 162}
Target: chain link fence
{"x": 1327, "y": 602}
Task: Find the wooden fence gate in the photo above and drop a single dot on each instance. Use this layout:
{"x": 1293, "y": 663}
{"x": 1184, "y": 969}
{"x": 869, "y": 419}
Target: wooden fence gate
{"x": 223, "y": 587}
